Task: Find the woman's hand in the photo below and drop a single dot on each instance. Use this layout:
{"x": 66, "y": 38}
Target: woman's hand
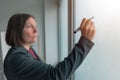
{"x": 87, "y": 29}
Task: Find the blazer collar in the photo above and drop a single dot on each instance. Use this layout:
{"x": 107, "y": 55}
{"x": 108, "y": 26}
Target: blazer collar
{"x": 22, "y": 49}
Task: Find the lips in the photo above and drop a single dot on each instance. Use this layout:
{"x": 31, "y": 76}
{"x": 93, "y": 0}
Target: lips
{"x": 35, "y": 35}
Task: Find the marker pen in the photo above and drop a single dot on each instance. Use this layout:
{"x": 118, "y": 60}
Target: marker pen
{"x": 79, "y": 27}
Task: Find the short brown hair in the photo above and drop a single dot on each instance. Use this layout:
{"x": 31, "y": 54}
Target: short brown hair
{"x": 15, "y": 27}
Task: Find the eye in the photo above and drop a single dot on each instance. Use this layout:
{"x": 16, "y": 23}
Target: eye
{"x": 28, "y": 26}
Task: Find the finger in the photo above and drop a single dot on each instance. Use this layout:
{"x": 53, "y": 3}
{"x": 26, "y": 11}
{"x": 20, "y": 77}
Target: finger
{"x": 88, "y": 29}
{"x": 92, "y": 34}
{"x": 88, "y": 22}
{"x": 84, "y": 29}
{"x": 83, "y": 23}
{"x": 91, "y": 27}
{"x": 88, "y": 32}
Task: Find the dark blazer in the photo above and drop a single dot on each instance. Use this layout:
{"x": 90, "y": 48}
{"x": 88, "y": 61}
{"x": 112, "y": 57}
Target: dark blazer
{"x": 20, "y": 65}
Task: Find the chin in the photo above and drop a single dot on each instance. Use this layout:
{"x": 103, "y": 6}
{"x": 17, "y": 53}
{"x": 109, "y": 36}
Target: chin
{"x": 34, "y": 41}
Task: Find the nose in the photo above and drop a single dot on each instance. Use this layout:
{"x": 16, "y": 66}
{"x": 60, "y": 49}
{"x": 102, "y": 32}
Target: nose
{"x": 35, "y": 29}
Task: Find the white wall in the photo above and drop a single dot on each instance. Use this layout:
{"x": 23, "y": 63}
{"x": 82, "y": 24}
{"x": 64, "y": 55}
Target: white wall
{"x": 102, "y": 63}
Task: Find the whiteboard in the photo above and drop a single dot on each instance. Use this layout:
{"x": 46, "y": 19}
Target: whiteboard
{"x": 102, "y": 63}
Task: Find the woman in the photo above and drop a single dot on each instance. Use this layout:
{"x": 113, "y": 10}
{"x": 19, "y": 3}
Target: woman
{"x": 22, "y": 62}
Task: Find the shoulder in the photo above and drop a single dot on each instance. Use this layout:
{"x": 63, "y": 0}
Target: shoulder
{"x": 14, "y": 52}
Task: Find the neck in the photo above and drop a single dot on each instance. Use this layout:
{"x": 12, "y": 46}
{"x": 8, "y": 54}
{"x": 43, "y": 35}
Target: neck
{"x": 27, "y": 46}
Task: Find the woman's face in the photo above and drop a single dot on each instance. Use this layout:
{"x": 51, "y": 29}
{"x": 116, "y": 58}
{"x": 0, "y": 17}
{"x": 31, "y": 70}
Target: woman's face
{"x": 30, "y": 31}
